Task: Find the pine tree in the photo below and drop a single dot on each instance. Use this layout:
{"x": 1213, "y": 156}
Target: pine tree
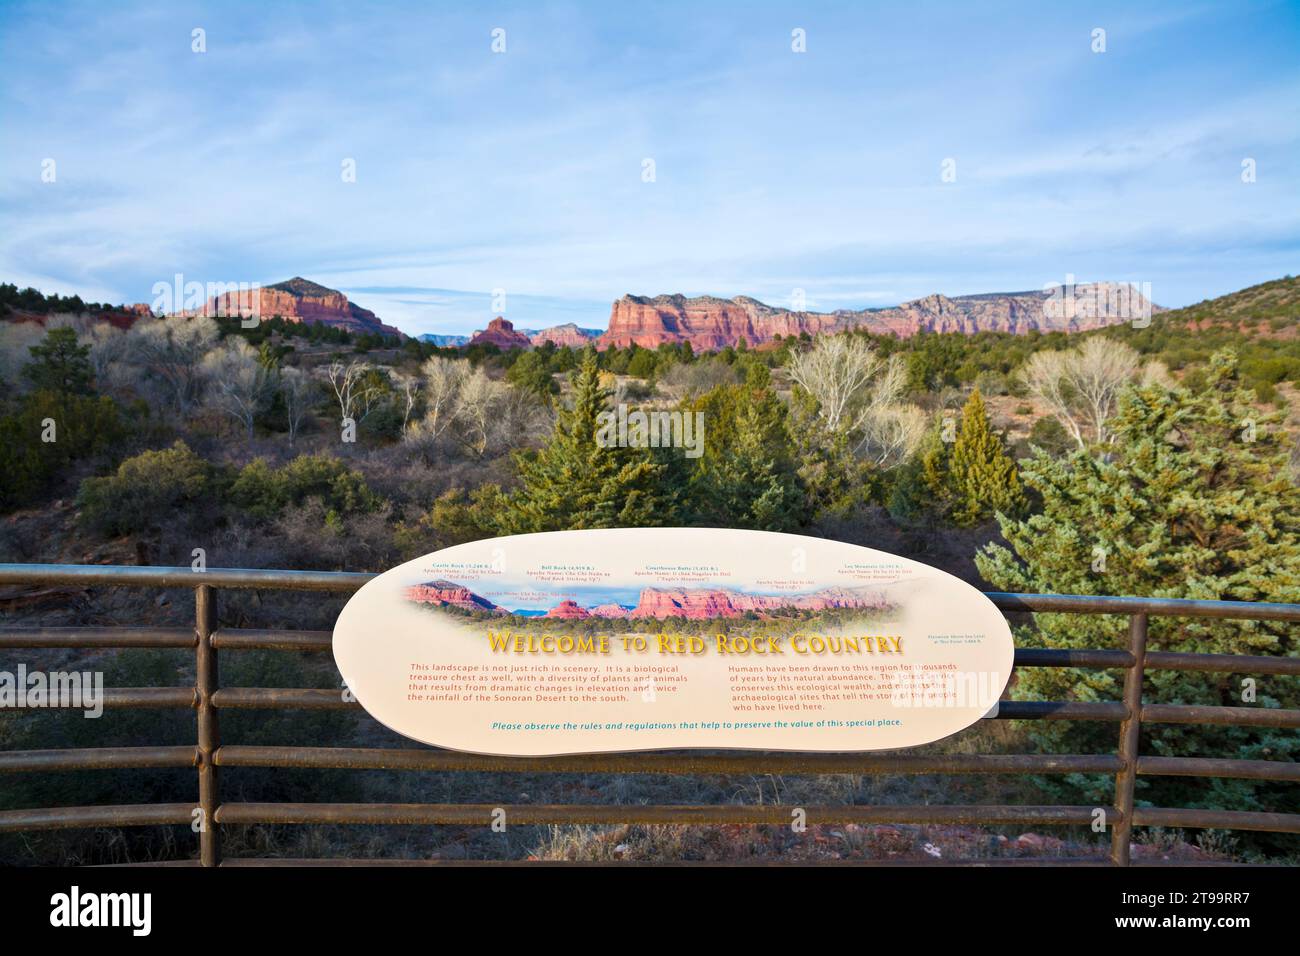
{"x": 748, "y": 476}
{"x": 982, "y": 476}
{"x": 574, "y": 482}
{"x": 1193, "y": 500}
{"x": 60, "y": 365}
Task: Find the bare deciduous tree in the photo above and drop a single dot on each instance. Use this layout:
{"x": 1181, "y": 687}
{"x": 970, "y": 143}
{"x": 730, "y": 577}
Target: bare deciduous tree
{"x": 443, "y": 378}
{"x": 171, "y": 352}
{"x": 358, "y": 387}
{"x": 479, "y": 401}
{"x": 239, "y": 386}
{"x": 859, "y": 392}
{"x": 409, "y": 391}
{"x": 1081, "y": 386}
{"x": 692, "y": 379}
{"x": 296, "y": 390}
{"x": 836, "y": 372}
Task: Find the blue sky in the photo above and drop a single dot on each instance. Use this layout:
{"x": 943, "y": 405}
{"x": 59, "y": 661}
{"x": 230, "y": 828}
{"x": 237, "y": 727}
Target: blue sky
{"x": 523, "y": 170}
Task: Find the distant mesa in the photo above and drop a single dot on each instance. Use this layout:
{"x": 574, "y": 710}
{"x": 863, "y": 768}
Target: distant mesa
{"x": 610, "y": 610}
{"x": 444, "y": 341}
{"x": 569, "y": 334}
{"x": 300, "y": 300}
{"x": 501, "y": 333}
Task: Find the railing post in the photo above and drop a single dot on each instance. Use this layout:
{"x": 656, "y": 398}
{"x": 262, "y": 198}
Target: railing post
{"x": 205, "y": 681}
{"x": 1121, "y": 833}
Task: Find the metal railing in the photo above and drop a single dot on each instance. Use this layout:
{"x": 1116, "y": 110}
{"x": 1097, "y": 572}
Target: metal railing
{"x": 209, "y": 755}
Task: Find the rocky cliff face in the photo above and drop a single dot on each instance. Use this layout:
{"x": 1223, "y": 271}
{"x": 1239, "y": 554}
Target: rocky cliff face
{"x": 710, "y": 323}
{"x": 706, "y": 322}
{"x": 568, "y": 334}
{"x": 300, "y": 300}
{"x": 445, "y": 593}
{"x": 502, "y": 334}
{"x": 706, "y": 603}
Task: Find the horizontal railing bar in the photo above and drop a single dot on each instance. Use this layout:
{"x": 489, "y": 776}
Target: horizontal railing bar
{"x": 1070, "y": 657}
{"x": 1226, "y": 716}
{"x": 68, "y": 818}
{"x": 1060, "y": 710}
{"x": 1217, "y": 819}
{"x": 98, "y": 637}
{"x": 98, "y": 758}
{"x": 539, "y": 814}
{"x": 249, "y": 639}
{"x": 1164, "y": 607}
{"x": 127, "y": 576}
{"x": 357, "y": 758}
{"x": 1222, "y": 663}
{"x": 140, "y": 697}
{"x": 1218, "y": 767}
{"x": 978, "y": 862}
{"x": 278, "y": 698}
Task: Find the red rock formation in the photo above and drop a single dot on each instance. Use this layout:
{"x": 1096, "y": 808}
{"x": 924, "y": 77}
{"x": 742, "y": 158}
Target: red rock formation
{"x": 446, "y": 593}
{"x": 569, "y": 334}
{"x": 709, "y": 323}
{"x": 299, "y": 300}
{"x": 502, "y": 334}
{"x": 724, "y": 602}
{"x": 568, "y": 609}
{"x": 706, "y": 322}
{"x": 609, "y": 610}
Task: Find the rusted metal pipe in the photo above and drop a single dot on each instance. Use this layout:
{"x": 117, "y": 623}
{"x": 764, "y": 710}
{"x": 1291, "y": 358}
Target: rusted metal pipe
{"x": 97, "y": 758}
{"x": 206, "y": 683}
{"x": 538, "y": 814}
{"x": 1130, "y": 732}
{"x": 670, "y": 763}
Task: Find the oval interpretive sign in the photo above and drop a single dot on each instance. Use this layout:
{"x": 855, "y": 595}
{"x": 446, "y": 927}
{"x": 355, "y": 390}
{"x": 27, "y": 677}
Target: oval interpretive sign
{"x": 652, "y": 638}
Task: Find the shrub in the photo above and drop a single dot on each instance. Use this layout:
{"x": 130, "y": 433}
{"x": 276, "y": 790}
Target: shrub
{"x": 264, "y": 493}
{"x": 145, "y": 489}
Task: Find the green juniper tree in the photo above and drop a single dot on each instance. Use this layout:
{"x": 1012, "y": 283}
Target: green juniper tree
{"x": 575, "y": 482}
{"x": 1193, "y": 500}
{"x": 748, "y": 476}
{"x": 982, "y": 476}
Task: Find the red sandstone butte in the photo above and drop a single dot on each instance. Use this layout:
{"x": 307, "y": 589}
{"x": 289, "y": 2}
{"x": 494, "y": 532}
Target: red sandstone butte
{"x": 300, "y": 300}
{"x": 501, "y": 333}
{"x": 568, "y": 609}
{"x": 445, "y": 593}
